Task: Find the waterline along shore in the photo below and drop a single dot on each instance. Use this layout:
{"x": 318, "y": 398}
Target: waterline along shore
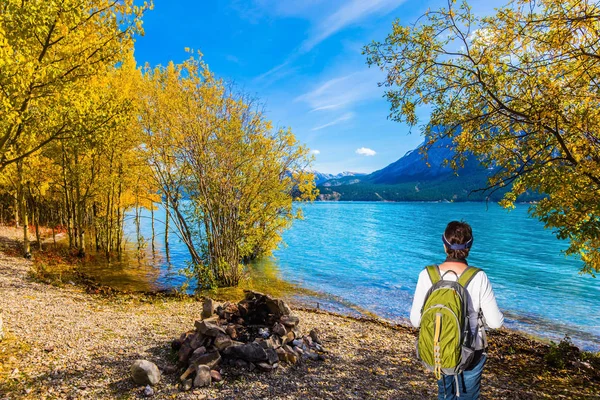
{"x": 67, "y": 341}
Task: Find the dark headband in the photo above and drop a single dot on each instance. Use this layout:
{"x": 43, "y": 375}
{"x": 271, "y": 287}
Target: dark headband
{"x": 457, "y": 246}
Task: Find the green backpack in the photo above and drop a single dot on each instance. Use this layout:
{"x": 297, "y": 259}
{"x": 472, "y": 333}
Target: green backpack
{"x": 446, "y": 344}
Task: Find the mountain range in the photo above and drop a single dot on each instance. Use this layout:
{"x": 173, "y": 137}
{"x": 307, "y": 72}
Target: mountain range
{"x": 416, "y": 178}
{"x": 321, "y": 177}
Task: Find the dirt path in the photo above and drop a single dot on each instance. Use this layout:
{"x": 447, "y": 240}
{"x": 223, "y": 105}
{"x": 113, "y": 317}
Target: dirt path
{"x": 61, "y": 342}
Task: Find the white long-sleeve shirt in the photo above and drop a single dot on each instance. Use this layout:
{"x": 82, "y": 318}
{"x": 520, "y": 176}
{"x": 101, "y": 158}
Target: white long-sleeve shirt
{"x": 480, "y": 296}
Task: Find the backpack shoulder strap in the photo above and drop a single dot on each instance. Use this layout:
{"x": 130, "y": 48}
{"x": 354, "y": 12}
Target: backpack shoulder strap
{"x": 434, "y": 273}
{"x": 467, "y": 275}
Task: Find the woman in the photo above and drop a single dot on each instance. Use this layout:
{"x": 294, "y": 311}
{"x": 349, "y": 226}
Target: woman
{"x": 457, "y": 239}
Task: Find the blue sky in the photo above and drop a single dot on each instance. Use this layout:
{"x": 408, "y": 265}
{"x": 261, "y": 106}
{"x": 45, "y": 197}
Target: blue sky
{"x": 302, "y": 59}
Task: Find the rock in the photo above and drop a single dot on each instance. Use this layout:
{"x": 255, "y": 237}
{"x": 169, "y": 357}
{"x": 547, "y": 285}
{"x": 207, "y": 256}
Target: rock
{"x": 257, "y": 332}
{"x": 272, "y": 356}
{"x": 271, "y": 343}
{"x": 278, "y": 307}
{"x": 251, "y": 295}
{"x": 281, "y": 354}
{"x": 196, "y": 340}
{"x": 265, "y": 367}
{"x": 208, "y": 308}
{"x": 242, "y": 309}
{"x": 184, "y": 353}
{"x": 310, "y": 355}
{"x": 289, "y": 337}
{"x": 586, "y": 365}
{"x": 289, "y": 321}
{"x": 208, "y": 328}
{"x": 289, "y": 357}
{"x": 148, "y": 391}
{"x": 177, "y": 343}
{"x": 222, "y": 341}
{"x": 197, "y": 353}
{"x": 220, "y": 311}
{"x": 227, "y": 310}
{"x": 187, "y": 385}
{"x": 308, "y": 341}
{"x": 251, "y": 352}
{"x": 203, "y": 377}
{"x": 215, "y": 376}
{"x": 231, "y": 331}
{"x": 297, "y": 334}
{"x": 211, "y": 359}
{"x": 145, "y": 372}
{"x": 232, "y": 309}
{"x": 239, "y": 363}
{"x": 279, "y": 329}
{"x": 314, "y": 335}
{"x": 229, "y": 351}
{"x": 276, "y": 340}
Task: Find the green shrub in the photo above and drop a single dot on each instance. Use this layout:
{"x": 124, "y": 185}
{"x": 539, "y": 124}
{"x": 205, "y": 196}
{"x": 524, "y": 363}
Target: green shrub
{"x": 562, "y": 354}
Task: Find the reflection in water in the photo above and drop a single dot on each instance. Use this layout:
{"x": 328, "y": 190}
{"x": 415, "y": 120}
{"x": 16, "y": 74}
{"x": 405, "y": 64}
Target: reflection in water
{"x": 127, "y": 273}
{"x": 149, "y": 271}
{"x": 142, "y": 268}
{"x": 260, "y": 276}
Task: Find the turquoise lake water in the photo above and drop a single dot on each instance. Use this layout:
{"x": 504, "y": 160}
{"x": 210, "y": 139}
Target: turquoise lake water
{"x": 370, "y": 255}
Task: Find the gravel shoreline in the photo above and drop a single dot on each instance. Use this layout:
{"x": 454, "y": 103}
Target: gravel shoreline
{"x": 64, "y": 343}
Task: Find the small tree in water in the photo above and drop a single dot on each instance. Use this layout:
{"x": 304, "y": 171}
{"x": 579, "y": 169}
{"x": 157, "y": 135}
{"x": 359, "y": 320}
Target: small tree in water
{"x": 214, "y": 147}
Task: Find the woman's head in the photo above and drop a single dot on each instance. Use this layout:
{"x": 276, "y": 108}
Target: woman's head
{"x": 458, "y": 238}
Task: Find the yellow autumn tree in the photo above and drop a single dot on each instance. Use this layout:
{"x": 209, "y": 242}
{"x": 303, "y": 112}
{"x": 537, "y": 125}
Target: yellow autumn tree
{"x": 49, "y": 52}
{"x": 87, "y": 180}
{"x": 211, "y": 145}
{"x": 519, "y": 89}
{"x": 100, "y": 176}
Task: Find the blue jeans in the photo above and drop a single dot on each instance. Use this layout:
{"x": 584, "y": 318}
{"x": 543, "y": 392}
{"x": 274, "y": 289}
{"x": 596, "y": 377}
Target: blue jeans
{"x": 469, "y": 383}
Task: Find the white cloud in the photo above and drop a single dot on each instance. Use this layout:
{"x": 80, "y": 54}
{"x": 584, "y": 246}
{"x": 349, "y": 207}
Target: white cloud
{"x": 327, "y": 107}
{"x": 343, "y": 118}
{"x": 315, "y": 152}
{"x": 325, "y": 18}
{"x": 271, "y": 71}
{"x": 349, "y": 13}
{"x": 343, "y": 91}
{"x": 363, "y": 151}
